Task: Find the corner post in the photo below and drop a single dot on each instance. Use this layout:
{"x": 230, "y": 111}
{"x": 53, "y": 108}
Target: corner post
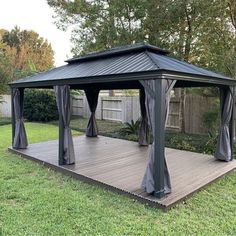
{"x": 231, "y": 125}
{"x": 13, "y": 119}
{"x": 159, "y": 138}
{"x": 61, "y": 134}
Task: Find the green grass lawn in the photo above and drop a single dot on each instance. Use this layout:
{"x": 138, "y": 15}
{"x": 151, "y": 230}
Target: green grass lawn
{"x": 37, "y": 201}
{"x": 5, "y": 120}
{"x": 105, "y": 127}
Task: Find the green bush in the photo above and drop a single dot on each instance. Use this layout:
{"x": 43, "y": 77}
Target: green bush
{"x": 40, "y": 105}
{"x": 5, "y": 121}
{"x": 211, "y": 122}
{"x": 130, "y": 128}
{"x": 182, "y": 141}
{"x": 190, "y": 142}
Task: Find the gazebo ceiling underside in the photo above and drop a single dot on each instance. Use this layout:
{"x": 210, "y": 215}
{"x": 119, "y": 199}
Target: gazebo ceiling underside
{"x": 120, "y": 69}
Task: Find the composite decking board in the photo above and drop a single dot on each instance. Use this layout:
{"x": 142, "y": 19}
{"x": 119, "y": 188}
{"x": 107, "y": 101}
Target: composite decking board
{"x": 110, "y": 159}
{"x": 120, "y": 165}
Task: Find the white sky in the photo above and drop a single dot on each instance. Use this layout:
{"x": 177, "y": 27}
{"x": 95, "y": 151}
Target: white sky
{"x": 36, "y": 15}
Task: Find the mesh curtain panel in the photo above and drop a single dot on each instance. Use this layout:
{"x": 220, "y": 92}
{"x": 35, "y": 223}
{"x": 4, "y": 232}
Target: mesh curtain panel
{"x": 20, "y": 138}
{"x": 64, "y": 108}
{"x": 144, "y": 129}
{"x": 148, "y": 179}
{"x": 223, "y": 148}
{"x": 92, "y": 98}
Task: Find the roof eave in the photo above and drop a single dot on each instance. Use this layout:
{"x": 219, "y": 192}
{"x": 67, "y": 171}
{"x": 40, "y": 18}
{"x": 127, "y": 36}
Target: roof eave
{"x": 198, "y": 78}
{"x": 161, "y": 74}
{"x": 89, "y": 80}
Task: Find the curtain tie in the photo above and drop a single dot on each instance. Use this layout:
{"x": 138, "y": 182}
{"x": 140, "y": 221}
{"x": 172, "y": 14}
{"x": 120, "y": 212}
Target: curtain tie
{"x": 20, "y": 119}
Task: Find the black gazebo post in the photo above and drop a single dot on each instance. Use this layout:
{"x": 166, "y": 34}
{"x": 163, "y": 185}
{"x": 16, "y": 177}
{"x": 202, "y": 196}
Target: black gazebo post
{"x": 159, "y": 138}
{"x": 61, "y": 134}
{"x": 231, "y": 125}
{"x": 13, "y": 119}
{"x": 66, "y": 146}
{"x": 19, "y": 138}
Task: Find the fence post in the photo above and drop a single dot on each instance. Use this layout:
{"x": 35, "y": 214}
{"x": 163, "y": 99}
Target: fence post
{"x": 98, "y": 110}
{"x": 101, "y": 108}
{"x": 123, "y": 110}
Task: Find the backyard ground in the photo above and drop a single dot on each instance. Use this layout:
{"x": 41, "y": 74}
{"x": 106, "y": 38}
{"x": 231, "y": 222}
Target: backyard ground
{"x": 189, "y": 142}
{"x": 37, "y": 201}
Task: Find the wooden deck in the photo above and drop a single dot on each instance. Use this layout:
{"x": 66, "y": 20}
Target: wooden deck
{"x": 120, "y": 165}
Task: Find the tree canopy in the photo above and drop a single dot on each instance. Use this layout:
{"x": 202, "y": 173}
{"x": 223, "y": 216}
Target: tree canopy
{"x": 202, "y": 32}
{"x": 22, "y": 52}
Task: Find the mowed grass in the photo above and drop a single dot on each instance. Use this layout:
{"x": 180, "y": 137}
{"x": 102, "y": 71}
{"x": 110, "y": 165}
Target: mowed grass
{"x": 37, "y": 201}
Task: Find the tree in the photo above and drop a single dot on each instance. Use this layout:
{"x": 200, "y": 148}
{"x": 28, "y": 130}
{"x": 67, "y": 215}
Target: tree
{"x": 219, "y": 42}
{"x": 201, "y": 32}
{"x": 100, "y": 24}
{"x": 28, "y": 45}
{"x": 5, "y": 67}
{"x": 193, "y": 30}
{"x": 22, "y": 53}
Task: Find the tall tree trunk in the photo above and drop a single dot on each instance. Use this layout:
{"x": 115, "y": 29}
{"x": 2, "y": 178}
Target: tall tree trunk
{"x": 186, "y": 52}
{"x": 178, "y": 95}
{"x": 111, "y": 36}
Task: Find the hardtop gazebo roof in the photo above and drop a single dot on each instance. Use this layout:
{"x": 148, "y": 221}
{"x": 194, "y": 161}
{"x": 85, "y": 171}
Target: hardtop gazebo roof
{"x": 141, "y": 66}
{"x": 122, "y": 64}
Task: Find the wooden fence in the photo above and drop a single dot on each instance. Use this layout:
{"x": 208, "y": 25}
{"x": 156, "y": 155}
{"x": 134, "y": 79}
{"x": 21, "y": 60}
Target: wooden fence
{"x": 125, "y": 109}
{"x": 5, "y": 106}
{"x": 122, "y": 109}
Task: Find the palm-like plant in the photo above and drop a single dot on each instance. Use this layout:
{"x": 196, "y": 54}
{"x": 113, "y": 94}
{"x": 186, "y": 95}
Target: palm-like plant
{"x": 130, "y": 128}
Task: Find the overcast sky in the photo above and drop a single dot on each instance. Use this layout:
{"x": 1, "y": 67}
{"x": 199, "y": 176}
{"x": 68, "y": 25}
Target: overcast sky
{"x": 36, "y": 15}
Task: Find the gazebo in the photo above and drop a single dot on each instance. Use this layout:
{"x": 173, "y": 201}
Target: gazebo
{"x": 139, "y": 66}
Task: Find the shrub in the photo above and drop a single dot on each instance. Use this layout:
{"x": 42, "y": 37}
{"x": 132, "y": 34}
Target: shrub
{"x": 210, "y": 146}
{"x": 211, "y": 122}
{"x": 211, "y": 119}
{"x": 5, "y": 121}
{"x": 182, "y": 141}
{"x": 40, "y": 105}
{"x": 130, "y": 128}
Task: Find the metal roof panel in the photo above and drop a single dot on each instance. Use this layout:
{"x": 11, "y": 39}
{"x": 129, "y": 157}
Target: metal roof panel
{"x": 137, "y": 47}
{"x": 172, "y": 64}
{"x": 132, "y": 60}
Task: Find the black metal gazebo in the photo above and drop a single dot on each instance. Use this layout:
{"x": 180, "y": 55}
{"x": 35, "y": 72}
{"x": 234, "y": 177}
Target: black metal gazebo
{"x": 139, "y": 66}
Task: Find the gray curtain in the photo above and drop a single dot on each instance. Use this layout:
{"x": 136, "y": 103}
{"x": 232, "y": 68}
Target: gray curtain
{"x": 92, "y": 98}
{"x": 148, "y": 179}
{"x": 64, "y": 108}
{"x": 144, "y": 129}
{"x": 20, "y": 138}
{"x": 223, "y": 148}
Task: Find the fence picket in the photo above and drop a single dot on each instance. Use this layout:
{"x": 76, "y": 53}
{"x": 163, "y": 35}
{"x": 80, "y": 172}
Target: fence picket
{"x": 125, "y": 109}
